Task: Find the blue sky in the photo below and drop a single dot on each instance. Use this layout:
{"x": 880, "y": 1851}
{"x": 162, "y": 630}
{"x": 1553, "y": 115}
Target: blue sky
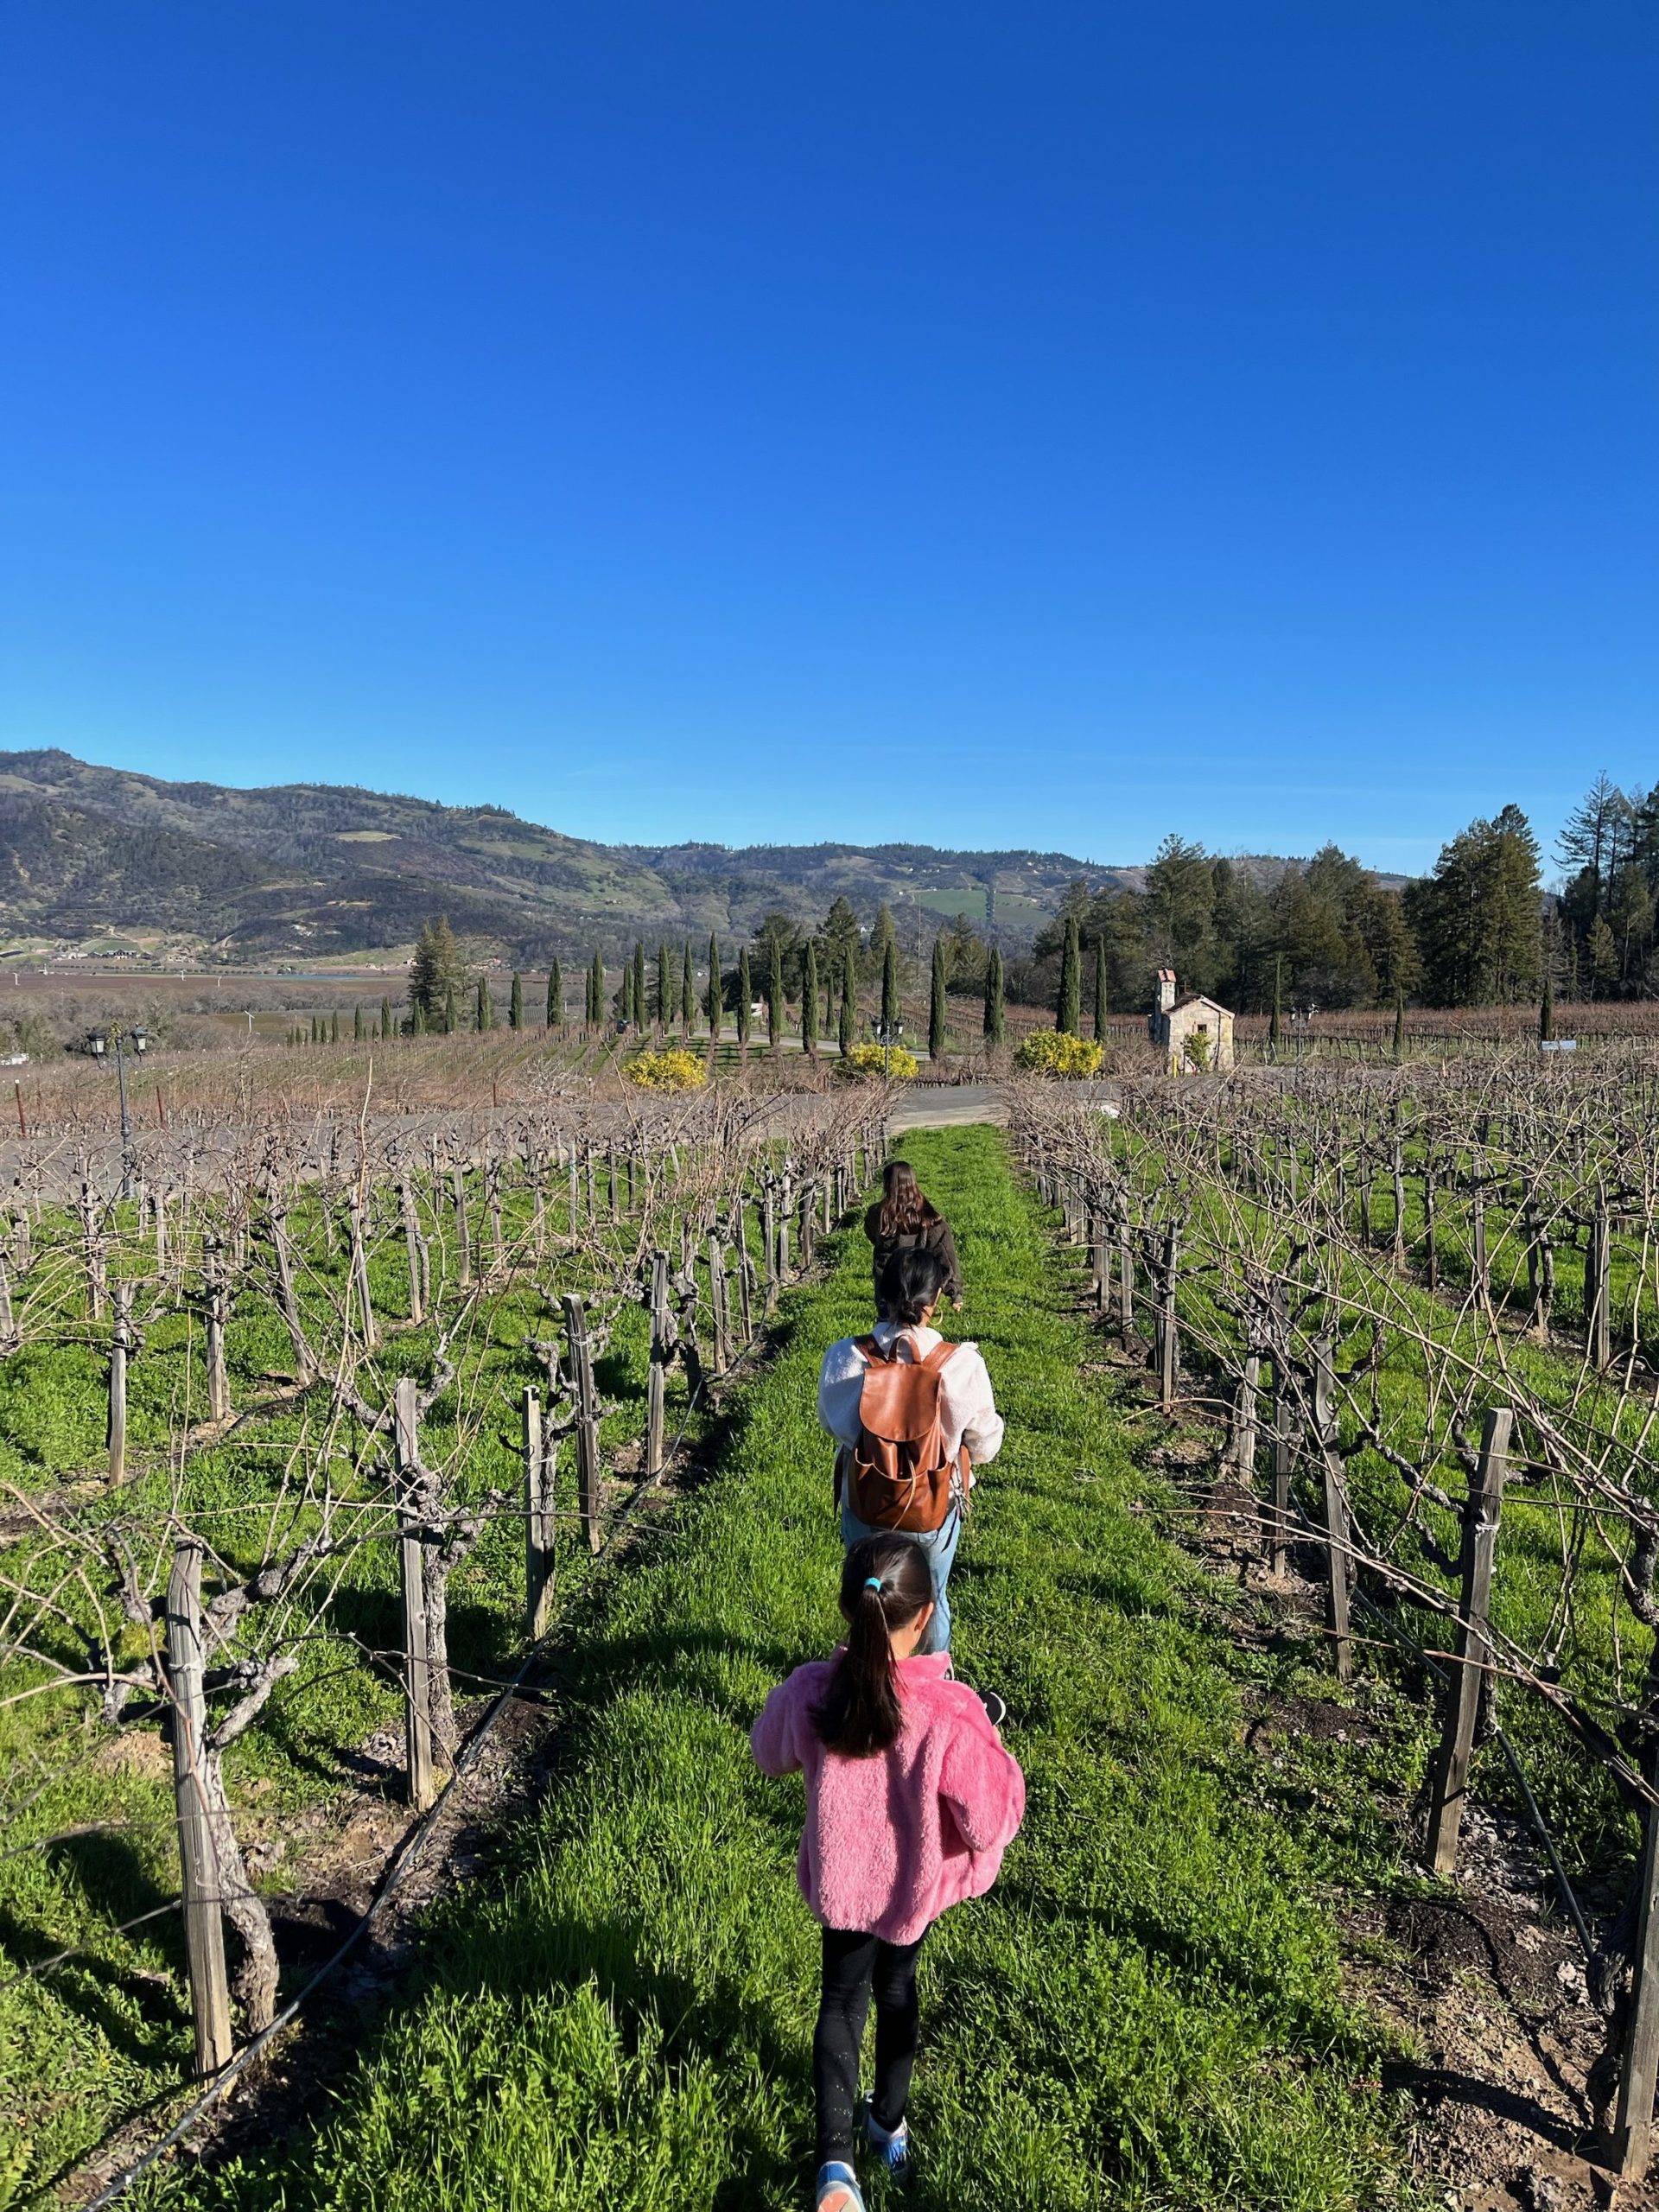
{"x": 1024, "y": 425}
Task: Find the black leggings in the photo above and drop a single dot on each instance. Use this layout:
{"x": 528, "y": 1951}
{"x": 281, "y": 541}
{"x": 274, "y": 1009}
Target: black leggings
{"x": 851, "y": 1962}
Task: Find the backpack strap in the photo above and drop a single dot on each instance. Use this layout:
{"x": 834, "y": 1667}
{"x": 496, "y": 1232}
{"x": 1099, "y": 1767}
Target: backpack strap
{"x": 871, "y": 1350}
{"x": 941, "y": 1352}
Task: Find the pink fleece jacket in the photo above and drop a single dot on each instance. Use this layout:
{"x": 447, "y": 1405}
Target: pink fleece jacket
{"x": 892, "y": 1840}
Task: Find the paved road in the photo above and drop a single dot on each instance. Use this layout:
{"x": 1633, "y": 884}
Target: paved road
{"x": 949, "y": 1106}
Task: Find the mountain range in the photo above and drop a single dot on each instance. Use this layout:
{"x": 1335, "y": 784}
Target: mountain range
{"x": 104, "y": 859}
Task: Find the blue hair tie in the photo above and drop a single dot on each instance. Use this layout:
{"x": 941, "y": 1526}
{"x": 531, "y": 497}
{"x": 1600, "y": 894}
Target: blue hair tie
{"x": 872, "y": 1582}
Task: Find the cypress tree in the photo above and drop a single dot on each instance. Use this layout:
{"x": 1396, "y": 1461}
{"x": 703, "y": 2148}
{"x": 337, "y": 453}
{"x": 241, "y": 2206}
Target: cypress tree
{"x": 418, "y": 1018}
{"x": 845, "y": 1033}
{"x": 936, "y": 1003}
{"x": 687, "y": 992}
{"x": 333, "y": 1026}
{"x": 664, "y": 989}
{"x": 889, "y": 981}
{"x": 1068, "y": 1017}
{"x": 357, "y": 1025}
{"x": 483, "y": 1007}
{"x": 596, "y": 992}
{"x": 556, "y": 996}
{"x": 451, "y": 1011}
{"x": 1100, "y": 990}
{"x": 775, "y": 997}
{"x": 385, "y": 1017}
{"x": 1399, "y": 1028}
{"x": 625, "y": 995}
{"x": 717, "y": 993}
{"x": 1276, "y": 1019}
{"x": 995, "y": 1024}
{"x": 516, "y": 1003}
{"x": 745, "y": 998}
{"x": 1547, "y": 1012}
{"x": 810, "y": 1001}
{"x": 639, "y": 1015}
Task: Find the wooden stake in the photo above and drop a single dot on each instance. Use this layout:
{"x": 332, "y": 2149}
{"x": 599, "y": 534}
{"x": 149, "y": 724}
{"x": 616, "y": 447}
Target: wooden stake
{"x": 539, "y": 1463}
{"x": 1473, "y": 1649}
{"x": 1336, "y": 1510}
{"x": 204, "y": 1929}
{"x": 417, "y": 1657}
{"x": 581, "y": 1370}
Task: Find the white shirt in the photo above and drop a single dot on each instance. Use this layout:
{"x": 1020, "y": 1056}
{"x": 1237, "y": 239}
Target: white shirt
{"x": 967, "y": 1412}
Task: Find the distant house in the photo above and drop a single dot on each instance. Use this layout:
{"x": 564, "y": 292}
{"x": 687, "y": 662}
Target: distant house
{"x": 1195, "y": 1034}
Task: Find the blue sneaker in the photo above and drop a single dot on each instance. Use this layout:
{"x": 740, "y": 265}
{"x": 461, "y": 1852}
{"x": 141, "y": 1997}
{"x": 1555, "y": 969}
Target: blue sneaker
{"x": 891, "y": 2148}
{"x": 837, "y": 2189}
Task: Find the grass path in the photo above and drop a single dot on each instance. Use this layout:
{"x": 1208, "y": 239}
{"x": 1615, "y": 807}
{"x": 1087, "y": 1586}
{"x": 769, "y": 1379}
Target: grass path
{"x": 1144, "y": 2011}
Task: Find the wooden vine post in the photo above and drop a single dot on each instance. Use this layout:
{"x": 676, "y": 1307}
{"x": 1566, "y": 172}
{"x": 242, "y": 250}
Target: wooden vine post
{"x": 414, "y": 1249}
{"x": 418, "y": 1659}
{"x": 217, "y": 1308}
{"x": 769, "y": 1241}
{"x": 360, "y": 1271}
{"x": 719, "y": 1305}
{"x": 1336, "y": 1509}
{"x": 1166, "y": 1348}
{"x": 1125, "y": 1275}
{"x": 1450, "y": 1775}
{"x": 1598, "y": 1292}
{"x": 120, "y": 1348}
{"x": 581, "y": 1376}
{"x": 745, "y": 1271}
{"x": 662, "y": 1351}
{"x": 540, "y": 1461}
{"x": 204, "y": 1929}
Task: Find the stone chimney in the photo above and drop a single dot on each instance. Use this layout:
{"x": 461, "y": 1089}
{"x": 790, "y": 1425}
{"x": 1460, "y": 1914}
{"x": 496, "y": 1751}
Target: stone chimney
{"x": 1165, "y": 989}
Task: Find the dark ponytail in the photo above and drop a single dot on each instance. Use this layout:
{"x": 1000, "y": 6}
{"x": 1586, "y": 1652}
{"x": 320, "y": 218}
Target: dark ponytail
{"x": 884, "y": 1583}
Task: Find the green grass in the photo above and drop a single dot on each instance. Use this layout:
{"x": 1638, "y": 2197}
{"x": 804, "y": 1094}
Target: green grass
{"x": 1145, "y": 2011}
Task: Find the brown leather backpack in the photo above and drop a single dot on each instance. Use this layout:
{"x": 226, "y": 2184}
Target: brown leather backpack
{"x": 897, "y": 1474}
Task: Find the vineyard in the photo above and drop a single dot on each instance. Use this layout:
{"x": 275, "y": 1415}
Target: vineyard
{"x": 345, "y": 1442}
{"x": 1424, "y": 1310}
{"x": 308, "y": 1438}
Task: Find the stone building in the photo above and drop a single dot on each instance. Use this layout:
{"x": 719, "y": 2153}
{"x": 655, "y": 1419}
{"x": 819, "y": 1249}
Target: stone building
{"x": 1195, "y": 1034}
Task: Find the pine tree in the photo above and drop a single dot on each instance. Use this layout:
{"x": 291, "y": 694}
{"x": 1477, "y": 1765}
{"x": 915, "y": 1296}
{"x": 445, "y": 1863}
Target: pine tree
{"x": 556, "y": 996}
{"x": 1068, "y": 1016}
{"x": 745, "y": 998}
{"x": 775, "y": 1009}
{"x": 434, "y": 970}
{"x": 717, "y": 993}
{"x": 995, "y": 1020}
{"x": 385, "y": 1017}
{"x": 936, "y": 1002}
{"x": 810, "y": 1001}
{"x": 890, "y": 982}
{"x": 1100, "y": 990}
{"x": 687, "y": 992}
{"x": 640, "y": 1013}
{"x": 664, "y": 989}
{"x": 516, "y": 1003}
{"x": 849, "y": 1025}
{"x": 1547, "y": 1012}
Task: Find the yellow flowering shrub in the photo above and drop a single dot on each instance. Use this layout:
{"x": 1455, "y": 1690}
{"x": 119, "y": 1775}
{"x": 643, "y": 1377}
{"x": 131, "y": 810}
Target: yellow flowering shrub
{"x": 867, "y": 1060}
{"x": 673, "y": 1070}
{"x": 1051, "y": 1052}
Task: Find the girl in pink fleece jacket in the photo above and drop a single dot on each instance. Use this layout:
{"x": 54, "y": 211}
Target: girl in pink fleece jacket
{"x": 911, "y": 1801}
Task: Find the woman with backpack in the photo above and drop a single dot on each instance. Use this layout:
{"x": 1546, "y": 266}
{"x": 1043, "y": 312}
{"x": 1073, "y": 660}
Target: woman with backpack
{"x": 902, "y": 1220}
{"x": 911, "y": 1802}
{"x": 913, "y": 1415}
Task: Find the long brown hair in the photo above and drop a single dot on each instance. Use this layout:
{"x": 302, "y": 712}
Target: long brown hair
{"x": 903, "y": 1208}
{"x": 884, "y": 1582}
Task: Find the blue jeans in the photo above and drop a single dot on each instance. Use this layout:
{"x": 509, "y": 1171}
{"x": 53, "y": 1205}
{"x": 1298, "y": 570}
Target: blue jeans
{"x": 939, "y": 1544}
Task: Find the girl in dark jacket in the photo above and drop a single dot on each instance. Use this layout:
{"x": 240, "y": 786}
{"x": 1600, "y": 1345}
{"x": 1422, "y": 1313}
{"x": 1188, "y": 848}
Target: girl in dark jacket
{"x": 902, "y": 1219}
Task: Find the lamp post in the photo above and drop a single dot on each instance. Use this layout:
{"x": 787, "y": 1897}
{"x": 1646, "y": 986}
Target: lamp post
{"x": 887, "y": 1038}
{"x": 98, "y": 1042}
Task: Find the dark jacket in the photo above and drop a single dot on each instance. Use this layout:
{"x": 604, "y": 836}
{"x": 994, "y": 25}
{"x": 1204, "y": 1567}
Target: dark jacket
{"x": 933, "y": 1236}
